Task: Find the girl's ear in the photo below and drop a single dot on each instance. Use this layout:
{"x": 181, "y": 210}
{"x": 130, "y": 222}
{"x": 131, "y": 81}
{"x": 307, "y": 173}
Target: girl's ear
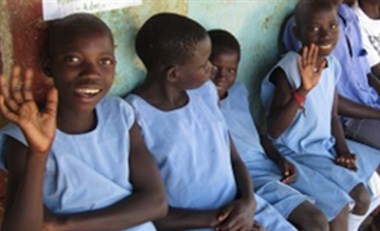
{"x": 172, "y": 74}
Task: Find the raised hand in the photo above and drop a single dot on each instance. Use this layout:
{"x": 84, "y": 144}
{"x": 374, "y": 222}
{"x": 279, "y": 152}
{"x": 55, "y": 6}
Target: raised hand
{"x": 309, "y": 68}
{"x": 17, "y": 105}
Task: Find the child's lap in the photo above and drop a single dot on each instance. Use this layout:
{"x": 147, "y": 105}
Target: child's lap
{"x": 342, "y": 177}
{"x": 327, "y": 195}
{"x": 368, "y": 159}
{"x": 267, "y": 183}
{"x": 269, "y": 218}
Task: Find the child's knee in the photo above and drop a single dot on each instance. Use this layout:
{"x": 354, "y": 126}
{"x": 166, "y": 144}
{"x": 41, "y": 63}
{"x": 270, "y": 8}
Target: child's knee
{"x": 318, "y": 222}
{"x": 307, "y": 217}
{"x": 362, "y": 199}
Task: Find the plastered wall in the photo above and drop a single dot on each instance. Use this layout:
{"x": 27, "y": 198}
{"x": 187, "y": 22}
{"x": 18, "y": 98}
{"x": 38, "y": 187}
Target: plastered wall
{"x": 256, "y": 24}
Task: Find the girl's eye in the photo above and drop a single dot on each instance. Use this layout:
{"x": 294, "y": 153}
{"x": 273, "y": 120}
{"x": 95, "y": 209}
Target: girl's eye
{"x": 231, "y": 71}
{"x": 72, "y": 59}
{"x": 334, "y": 26}
{"x": 107, "y": 61}
{"x": 314, "y": 29}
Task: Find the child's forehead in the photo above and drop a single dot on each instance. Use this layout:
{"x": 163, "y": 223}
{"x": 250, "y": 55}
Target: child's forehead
{"x": 313, "y": 15}
{"x": 63, "y": 37}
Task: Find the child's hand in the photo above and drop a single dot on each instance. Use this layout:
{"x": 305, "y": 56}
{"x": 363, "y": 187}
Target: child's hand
{"x": 257, "y": 227}
{"x": 238, "y": 215}
{"x": 18, "y": 106}
{"x": 309, "y": 68}
{"x": 288, "y": 171}
{"x": 347, "y": 160}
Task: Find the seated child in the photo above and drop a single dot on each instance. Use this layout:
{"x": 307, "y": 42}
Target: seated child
{"x": 368, "y": 12}
{"x": 303, "y": 120}
{"x": 207, "y": 184}
{"x": 269, "y": 176}
{"x": 80, "y": 163}
{"x": 359, "y": 100}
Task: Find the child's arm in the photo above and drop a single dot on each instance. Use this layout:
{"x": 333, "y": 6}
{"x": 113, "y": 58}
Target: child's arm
{"x": 181, "y": 219}
{"x": 239, "y": 214}
{"x": 345, "y": 157}
{"x": 374, "y": 79}
{"x": 148, "y": 201}
{"x": 285, "y": 105}
{"x": 376, "y": 71}
{"x": 24, "y": 200}
{"x": 288, "y": 169}
{"x": 350, "y": 108}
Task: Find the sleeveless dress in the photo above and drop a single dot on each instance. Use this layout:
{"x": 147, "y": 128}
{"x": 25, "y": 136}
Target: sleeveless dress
{"x": 309, "y": 142}
{"x": 89, "y": 171}
{"x": 266, "y": 176}
{"x": 192, "y": 150}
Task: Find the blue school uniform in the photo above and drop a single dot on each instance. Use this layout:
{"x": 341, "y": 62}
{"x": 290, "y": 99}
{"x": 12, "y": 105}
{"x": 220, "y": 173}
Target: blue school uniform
{"x": 309, "y": 142}
{"x": 192, "y": 149}
{"x": 89, "y": 171}
{"x": 265, "y": 174}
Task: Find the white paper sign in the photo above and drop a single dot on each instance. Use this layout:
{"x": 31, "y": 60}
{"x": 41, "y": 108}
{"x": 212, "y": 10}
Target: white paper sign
{"x": 54, "y": 9}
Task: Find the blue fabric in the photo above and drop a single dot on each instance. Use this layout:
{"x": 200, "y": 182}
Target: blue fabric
{"x": 89, "y": 171}
{"x": 191, "y": 147}
{"x": 308, "y": 142}
{"x": 265, "y": 174}
{"x": 308, "y": 134}
{"x": 269, "y": 217}
{"x": 349, "y": 51}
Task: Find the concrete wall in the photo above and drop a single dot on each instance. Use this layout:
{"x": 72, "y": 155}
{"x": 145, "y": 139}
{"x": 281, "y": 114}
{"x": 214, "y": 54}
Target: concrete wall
{"x": 256, "y": 23}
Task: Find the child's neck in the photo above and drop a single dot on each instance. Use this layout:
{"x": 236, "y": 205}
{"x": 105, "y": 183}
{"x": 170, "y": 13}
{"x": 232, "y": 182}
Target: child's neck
{"x": 372, "y": 10}
{"x": 161, "y": 94}
{"x": 71, "y": 122}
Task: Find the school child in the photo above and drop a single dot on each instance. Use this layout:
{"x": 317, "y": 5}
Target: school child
{"x": 358, "y": 88}
{"x": 207, "y": 184}
{"x": 80, "y": 163}
{"x": 303, "y": 120}
{"x": 269, "y": 176}
{"x": 368, "y": 12}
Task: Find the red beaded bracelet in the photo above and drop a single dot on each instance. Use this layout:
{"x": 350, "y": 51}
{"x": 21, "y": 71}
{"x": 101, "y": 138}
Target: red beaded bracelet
{"x": 301, "y": 100}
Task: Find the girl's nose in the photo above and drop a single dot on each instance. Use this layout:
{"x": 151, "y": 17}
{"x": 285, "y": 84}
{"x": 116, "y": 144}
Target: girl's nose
{"x": 91, "y": 69}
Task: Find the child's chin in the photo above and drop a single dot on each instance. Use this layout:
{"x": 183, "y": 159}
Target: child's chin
{"x": 324, "y": 53}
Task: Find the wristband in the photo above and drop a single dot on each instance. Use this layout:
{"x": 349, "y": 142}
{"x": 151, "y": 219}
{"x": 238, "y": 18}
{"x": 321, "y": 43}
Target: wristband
{"x": 300, "y": 100}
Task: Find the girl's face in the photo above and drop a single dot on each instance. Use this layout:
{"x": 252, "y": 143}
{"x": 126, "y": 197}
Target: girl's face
{"x": 320, "y": 27}
{"x": 83, "y": 68}
{"x": 197, "y": 70}
{"x": 227, "y": 65}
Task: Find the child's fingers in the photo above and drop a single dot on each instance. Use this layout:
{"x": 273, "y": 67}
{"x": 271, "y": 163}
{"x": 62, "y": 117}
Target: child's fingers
{"x": 314, "y": 54}
{"x": 9, "y": 115}
{"x": 52, "y": 102}
{"x": 27, "y": 86}
{"x": 305, "y": 52}
{"x": 8, "y": 101}
{"x": 16, "y": 85}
